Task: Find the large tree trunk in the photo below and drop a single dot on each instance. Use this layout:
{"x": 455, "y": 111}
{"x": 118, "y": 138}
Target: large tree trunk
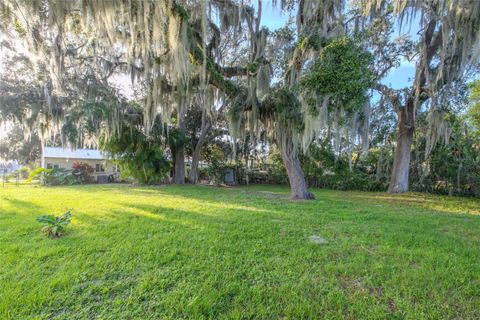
{"x": 179, "y": 157}
{"x": 401, "y": 161}
{"x": 193, "y": 176}
{"x": 179, "y": 171}
{"x": 296, "y": 177}
{"x": 205, "y": 136}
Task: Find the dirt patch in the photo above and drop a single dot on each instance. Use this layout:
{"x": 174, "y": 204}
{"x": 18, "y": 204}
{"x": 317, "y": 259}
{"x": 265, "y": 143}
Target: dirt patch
{"x": 317, "y": 239}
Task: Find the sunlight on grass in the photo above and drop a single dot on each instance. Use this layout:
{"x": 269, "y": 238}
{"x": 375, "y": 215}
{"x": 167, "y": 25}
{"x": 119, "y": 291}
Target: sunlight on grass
{"x": 444, "y": 204}
{"x": 203, "y": 252}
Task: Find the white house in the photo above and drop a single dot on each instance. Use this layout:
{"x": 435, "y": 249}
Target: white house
{"x": 8, "y": 167}
{"x": 55, "y": 157}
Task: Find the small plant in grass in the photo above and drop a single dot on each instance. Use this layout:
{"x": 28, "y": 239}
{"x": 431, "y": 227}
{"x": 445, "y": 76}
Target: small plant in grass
{"x": 55, "y": 226}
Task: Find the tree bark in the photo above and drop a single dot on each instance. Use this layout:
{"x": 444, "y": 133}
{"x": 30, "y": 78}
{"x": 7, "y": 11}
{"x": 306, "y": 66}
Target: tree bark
{"x": 179, "y": 157}
{"x": 193, "y": 176}
{"x": 401, "y": 161}
{"x": 179, "y": 172}
{"x": 295, "y": 174}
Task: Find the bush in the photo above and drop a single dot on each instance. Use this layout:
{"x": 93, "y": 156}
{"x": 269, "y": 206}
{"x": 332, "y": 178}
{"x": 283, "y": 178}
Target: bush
{"x": 82, "y": 172}
{"x": 36, "y": 174}
{"x": 52, "y": 177}
{"x": 216, "y": 170}
{"x": 354, "y": 180}
{"x": 276, "y": 173}
{"x": 55, "y": 226}
{"x": 202, "y": 174}
{"x": 24, "y": 172}
{"x": 138, "y": 155}
{"x": 59, "y": 177}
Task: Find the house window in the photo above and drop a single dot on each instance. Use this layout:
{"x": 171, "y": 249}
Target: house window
{"x": 52, "y": 166}
{"x": 99, "y": 168}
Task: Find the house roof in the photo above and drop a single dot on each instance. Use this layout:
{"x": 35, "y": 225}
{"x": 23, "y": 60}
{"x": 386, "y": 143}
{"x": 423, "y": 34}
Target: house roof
{"x": 11, "y": 166}
{"x": 54, "y": 152}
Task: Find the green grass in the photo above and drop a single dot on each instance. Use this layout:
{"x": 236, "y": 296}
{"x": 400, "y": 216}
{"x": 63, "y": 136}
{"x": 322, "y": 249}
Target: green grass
{"x": 203, "y": 252}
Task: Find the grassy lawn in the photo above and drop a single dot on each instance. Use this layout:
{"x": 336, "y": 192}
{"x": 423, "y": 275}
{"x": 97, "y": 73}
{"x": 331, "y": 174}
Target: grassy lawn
{"x": 203, "y": 252}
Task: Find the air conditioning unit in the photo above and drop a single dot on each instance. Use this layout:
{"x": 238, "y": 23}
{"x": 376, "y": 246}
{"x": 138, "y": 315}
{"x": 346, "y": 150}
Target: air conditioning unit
{"x": 102, "y": 179}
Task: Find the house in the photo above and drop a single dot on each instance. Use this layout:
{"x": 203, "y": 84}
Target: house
{"x": 7, "y": 167}
{"x": 55, "y": 158}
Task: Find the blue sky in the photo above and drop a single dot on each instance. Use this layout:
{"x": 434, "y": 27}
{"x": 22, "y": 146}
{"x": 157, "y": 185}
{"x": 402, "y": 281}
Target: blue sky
{"x": 398, "y": 78}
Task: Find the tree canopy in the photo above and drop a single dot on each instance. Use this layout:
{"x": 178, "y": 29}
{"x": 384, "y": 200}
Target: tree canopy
{"x": 305, "y": 85}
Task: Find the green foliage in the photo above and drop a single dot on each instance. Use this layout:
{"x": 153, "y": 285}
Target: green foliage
{"x": 216, "y": 171}
{"x": 343, "y": 71}
{"x": 24, "y": 172}
{"x": 473, "y": 112}
{"x": 59, "y": 177}
{"x": 452, "y": 167}
{"x": 252, "y": 67}
{"x": 36, "y": 174}
{"x": 139, "y": 155}
{"x": 355, "y": 180}
{"x": 180, "y": 10}
{"x": 228, "y": 86}
{"x": 14, "y": 146}
{"x": 282, "y": 105}
{"x": 323, "y": 169}
{"x": 216, "y": 166}
{"x": 82, "y": 172}
{"x": 55, "y": 226}
{"x": 277, "y": 174}
{"x": 176, "y": 139}
{"x": 313, "y": 41}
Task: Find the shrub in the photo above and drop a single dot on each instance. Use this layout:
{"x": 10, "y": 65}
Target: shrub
{"x": 36, "y": 174}
{"x": 59, "y": 177}
{"x": 354, "y": 180}
{"x": 216, "y": 166}
{"x": 140, "y": 156}
{"x": 52, "y": 177}
{"x": 24, "y": 172}
{"x": 82, "y": 172}
{"x": 277, "y": 174}
{"x": 202, "y": 174}
{"x": 216, "y": 170}
{"x": 55, "y": 226}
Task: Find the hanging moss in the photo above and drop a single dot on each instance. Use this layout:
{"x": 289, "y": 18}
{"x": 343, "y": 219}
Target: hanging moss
{"x": 314, "y": 42}
{"x": 282, "y": 103}
{"x": 19, "y": 28}
{"x": 180, "y": 10}
{"x": 197, "y": 57}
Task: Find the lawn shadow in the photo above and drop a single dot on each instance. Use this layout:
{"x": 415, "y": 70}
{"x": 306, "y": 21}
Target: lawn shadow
{"x": 191, "y": 217}
{"x": 28, "y": 205}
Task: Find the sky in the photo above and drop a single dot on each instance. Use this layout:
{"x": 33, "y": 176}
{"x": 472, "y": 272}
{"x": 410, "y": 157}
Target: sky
{"x": 273, "y": 18}
{"x": 398, "y": 78}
